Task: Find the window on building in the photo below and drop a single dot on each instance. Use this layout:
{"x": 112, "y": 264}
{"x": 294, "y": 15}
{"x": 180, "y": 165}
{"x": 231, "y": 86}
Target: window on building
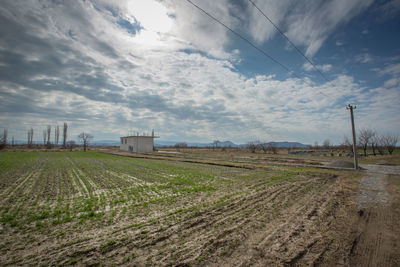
{"x": 125, "y": 140}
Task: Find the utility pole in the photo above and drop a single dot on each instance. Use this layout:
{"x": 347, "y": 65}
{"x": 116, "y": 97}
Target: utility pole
{"x": 350, "y": 107}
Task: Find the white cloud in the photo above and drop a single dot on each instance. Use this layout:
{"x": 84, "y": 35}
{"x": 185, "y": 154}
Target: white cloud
{"x": 85, "y": 69}
{"x": 392, "y": 82}
{"x": 306, "y": 23}
{"x": 390, "y": 69}
{"x": 339, "y": 43}
{"x": 364, "y": 58}
{"x": 324, "y": 67}
{"x": 313, "y": 21}
{"x": 389, "y": 9}
{"x": 260, "y": 28}
{"x": 201, "y": 31}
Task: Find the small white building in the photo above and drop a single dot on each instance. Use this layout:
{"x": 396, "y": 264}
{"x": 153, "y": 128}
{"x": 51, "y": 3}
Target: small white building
{"x": 138, "y": 143}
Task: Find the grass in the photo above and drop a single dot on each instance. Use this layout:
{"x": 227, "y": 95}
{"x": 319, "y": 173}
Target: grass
{"x": 69, "y": 196}
{"x": 43, "y": 189}
{"x": 61, "y": 187}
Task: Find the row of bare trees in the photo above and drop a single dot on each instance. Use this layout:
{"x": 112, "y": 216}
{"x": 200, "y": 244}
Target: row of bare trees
{"x": 4, "y": 138}
{"x": 368, "y": 138}
{"x": 83, "y": 137}
{"x": 47, "y": 136}
{"x": 265, "y": 147}
{"x": 326, "y": 144}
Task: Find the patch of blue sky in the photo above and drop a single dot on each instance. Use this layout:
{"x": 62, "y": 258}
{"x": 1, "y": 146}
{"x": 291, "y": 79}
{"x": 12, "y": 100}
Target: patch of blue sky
{"x": 255, "y": 63}
{"x": 129, "y": 27}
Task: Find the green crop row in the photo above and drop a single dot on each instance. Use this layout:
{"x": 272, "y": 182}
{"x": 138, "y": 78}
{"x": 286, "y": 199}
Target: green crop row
{"x": 54, "y": 188}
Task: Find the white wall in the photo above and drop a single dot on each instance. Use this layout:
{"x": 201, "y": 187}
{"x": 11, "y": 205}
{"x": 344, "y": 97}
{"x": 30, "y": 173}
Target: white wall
{"x": 138, "y": 144}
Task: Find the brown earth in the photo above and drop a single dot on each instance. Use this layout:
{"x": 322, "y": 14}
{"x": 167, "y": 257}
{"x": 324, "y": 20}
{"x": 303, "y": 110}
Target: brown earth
{"x": 341, "y": 164}
{"x": 307, "y": 217}
{"x": 378, "y": 241}
{"x": 297, "y": 222}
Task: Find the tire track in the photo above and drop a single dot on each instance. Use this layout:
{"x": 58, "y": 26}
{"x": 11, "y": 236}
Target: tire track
{"x": 373, "y": 245}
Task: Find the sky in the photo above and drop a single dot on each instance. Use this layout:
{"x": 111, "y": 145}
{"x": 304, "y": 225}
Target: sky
{"x": 112, "y": 68}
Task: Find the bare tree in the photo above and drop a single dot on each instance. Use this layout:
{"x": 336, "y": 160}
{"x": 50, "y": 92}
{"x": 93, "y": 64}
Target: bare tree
{"x": 48, "y": 136}
{"x": 316, "y": 145}
{"x": 56, "y": 135}
{"x": 71, "y": 145}
{"x": 178, "y": 146}
{"x": 272, "y": 147}
{"x": 3, "y": 138}
{"x": 252, "y": 146}
{"x": 12, "y": 141}
{"x": 48, "y": 133}
{"x": 182, "y": 144}
{"x": 215, "y": 144}
{"x": 389, "y": 142}
{"x": 44, "y": 137}
{"x": 65, "y": 130}
{"x": 374, "y": 144}
{"x": 264, "y": 147}
{"x": 347, "y": 144}
{"x": 364, "y": 138}
{"x": 326, "y": 144}
{"x": 380, "y": 145}
{"x": 85, "y": 138}
{"x": 30, "y": 137}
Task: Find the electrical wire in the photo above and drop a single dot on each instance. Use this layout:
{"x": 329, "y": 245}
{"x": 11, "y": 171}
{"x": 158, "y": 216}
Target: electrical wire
{"x": 254, "y": 46}
{"x": 293, "y": 45}
{"x": 287, "y": 38}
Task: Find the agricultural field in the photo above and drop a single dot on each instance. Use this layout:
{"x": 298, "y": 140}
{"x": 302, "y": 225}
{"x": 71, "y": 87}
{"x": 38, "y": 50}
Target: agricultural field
{"x": 93, "y": 208}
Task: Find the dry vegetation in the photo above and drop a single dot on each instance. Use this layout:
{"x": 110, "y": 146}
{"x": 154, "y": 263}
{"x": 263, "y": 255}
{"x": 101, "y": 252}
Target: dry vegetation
{"x": 62, "y": 208}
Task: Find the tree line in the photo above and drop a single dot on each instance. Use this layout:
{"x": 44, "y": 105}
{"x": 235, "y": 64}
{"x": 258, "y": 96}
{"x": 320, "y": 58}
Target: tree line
{"x": 46, "y": 135}
{"x": 368, "y": 138}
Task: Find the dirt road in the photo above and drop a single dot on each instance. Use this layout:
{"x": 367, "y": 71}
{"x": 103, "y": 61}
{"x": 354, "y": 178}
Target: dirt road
{"x": 379, "y": 197}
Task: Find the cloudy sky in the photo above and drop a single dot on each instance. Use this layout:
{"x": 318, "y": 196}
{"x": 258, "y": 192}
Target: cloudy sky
{"x": 114, "y": 67}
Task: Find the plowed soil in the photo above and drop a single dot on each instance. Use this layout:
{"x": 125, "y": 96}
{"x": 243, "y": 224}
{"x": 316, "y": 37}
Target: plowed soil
{"x": 110, "y": 210}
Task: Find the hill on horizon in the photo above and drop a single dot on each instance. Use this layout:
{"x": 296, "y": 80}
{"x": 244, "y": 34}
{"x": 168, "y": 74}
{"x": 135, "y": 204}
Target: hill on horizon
{"x": 160, "y": 143}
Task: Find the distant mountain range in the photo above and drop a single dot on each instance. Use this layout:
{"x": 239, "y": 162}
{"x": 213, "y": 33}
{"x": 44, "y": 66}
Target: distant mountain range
{"x": 172, "y": 143}
{"x": 229, "y": 144}
{"x": 159, "y": 143}
{"x": 104, "y": 143}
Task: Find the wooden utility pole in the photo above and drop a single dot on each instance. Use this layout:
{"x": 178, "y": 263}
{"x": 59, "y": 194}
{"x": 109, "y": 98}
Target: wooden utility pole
{"x": 350, "y": 107}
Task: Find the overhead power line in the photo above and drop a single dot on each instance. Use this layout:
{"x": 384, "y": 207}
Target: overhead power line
{"x": 295, "y": 47}
{"x": 254, "y": 46}
{"x": 287, "y": 38}
{"x": 283, "y": 66}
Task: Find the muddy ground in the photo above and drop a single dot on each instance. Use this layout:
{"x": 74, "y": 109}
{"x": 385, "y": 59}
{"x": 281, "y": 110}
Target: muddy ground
{"x": 269, "y": 216}
{"x": 378, "y": 242}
